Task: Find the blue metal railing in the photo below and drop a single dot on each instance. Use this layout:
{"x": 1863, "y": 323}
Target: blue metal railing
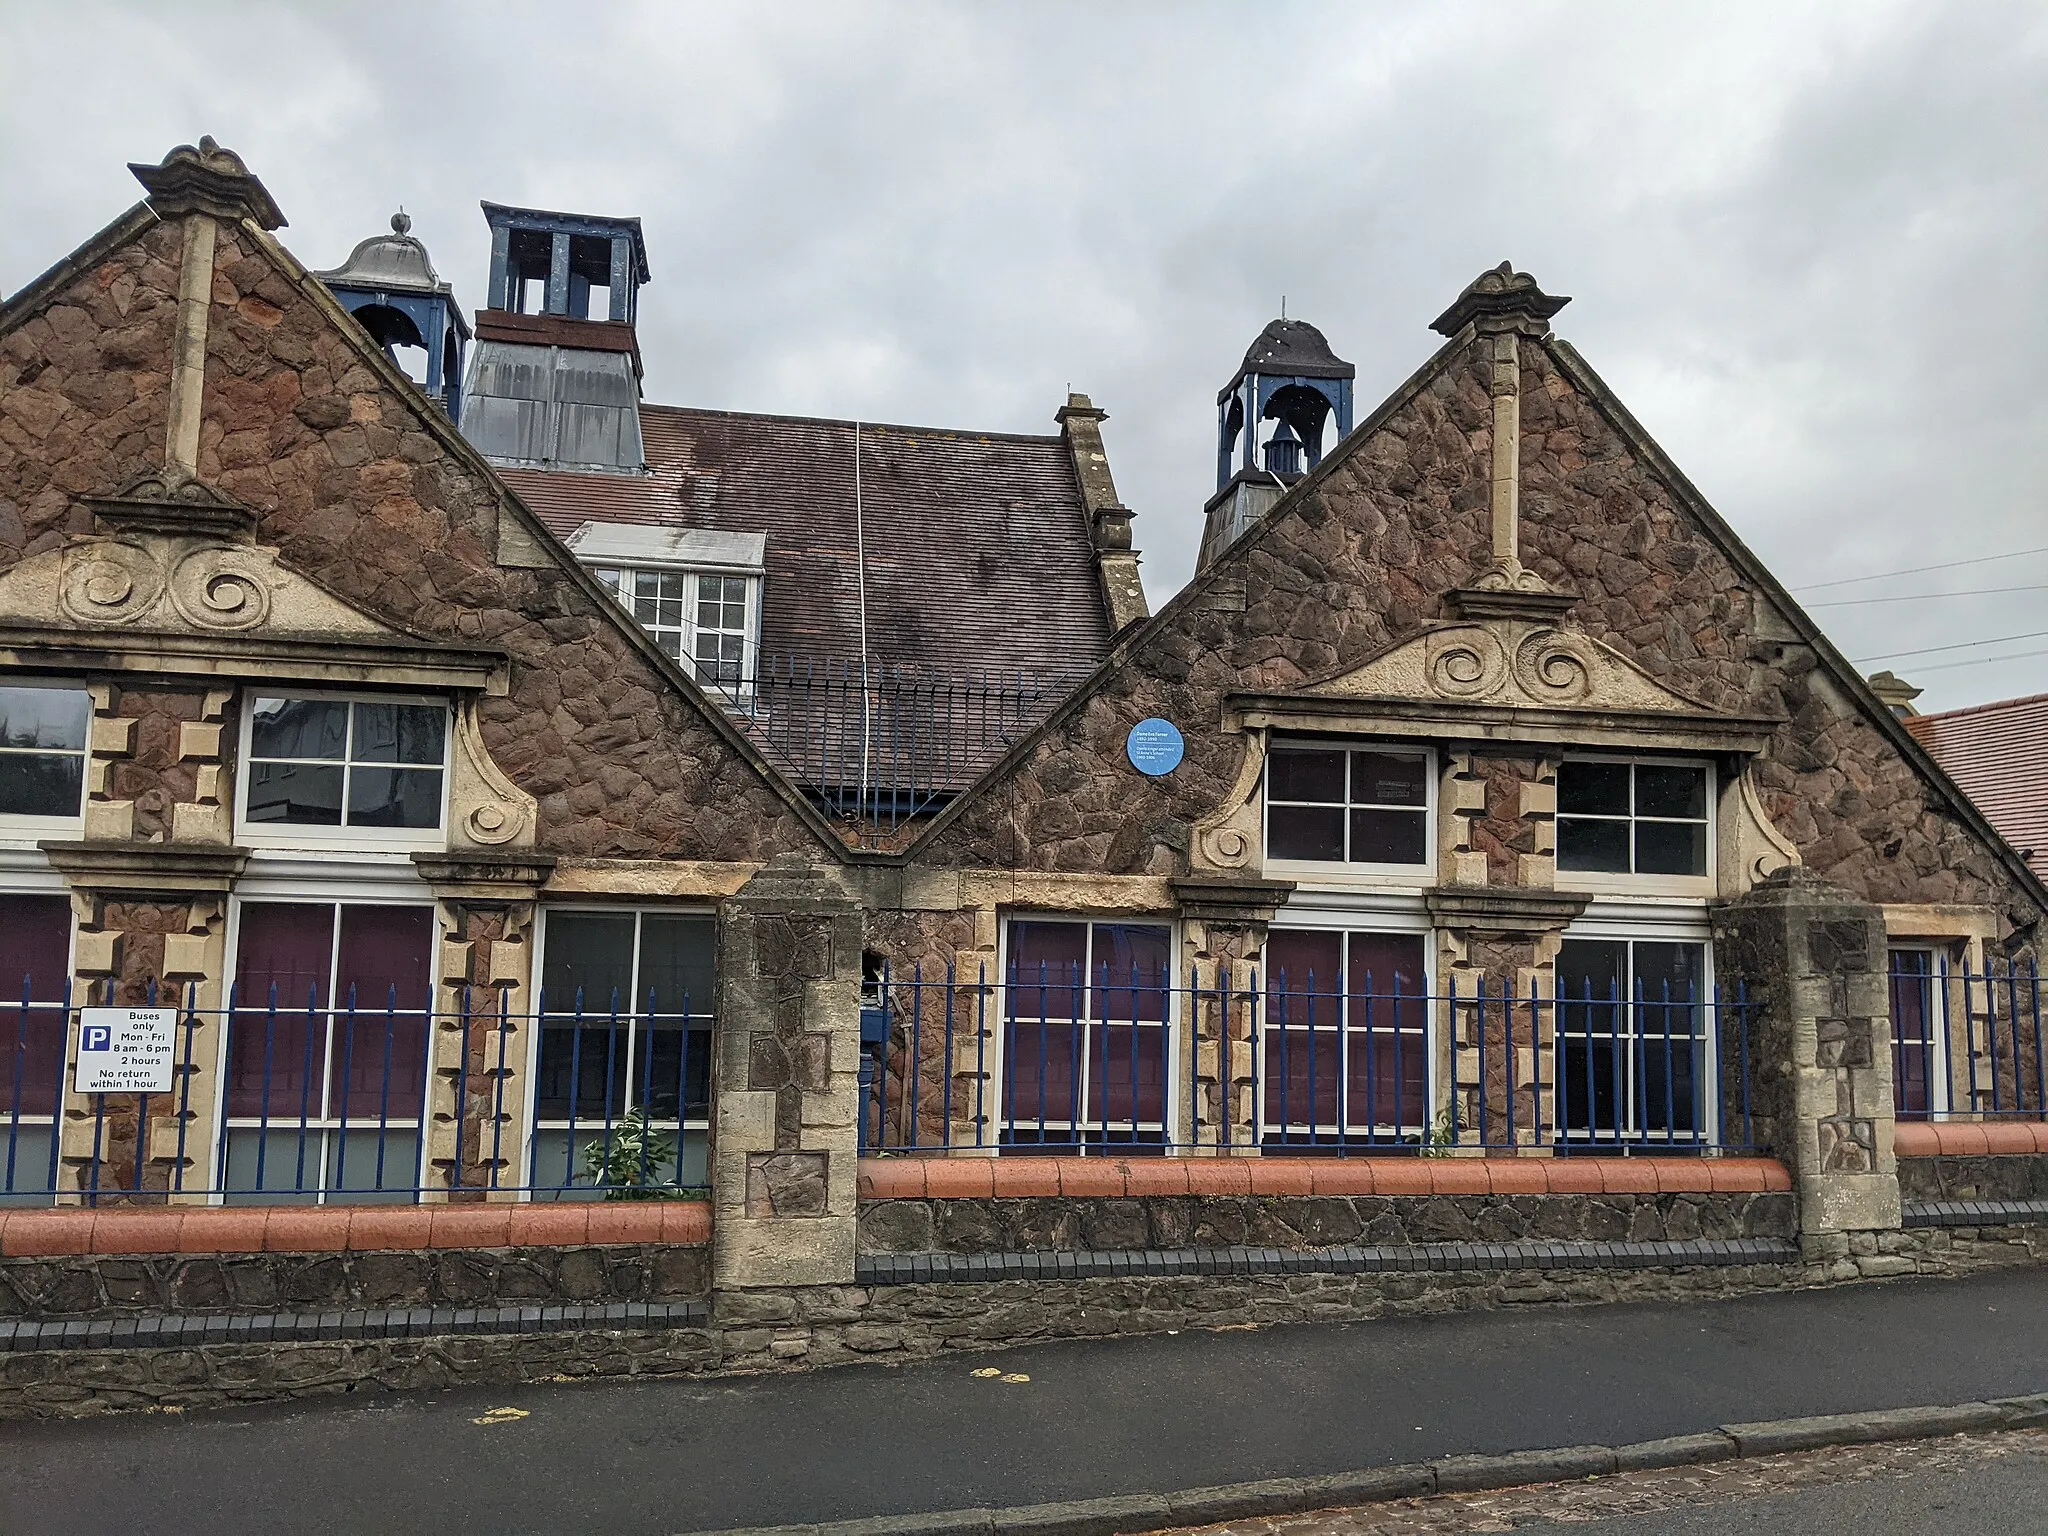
{"x": 342, "y": 1103}
{"x": 1050, "y": 1060}
{"x": 1966, "y": 1043}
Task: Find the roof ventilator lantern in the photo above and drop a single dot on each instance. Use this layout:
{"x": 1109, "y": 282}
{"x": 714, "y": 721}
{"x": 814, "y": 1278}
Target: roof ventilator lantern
{"x": 389, "y": 284}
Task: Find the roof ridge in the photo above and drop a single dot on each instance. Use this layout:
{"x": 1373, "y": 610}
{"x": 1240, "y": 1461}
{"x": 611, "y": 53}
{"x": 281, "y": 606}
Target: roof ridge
{"x": 1978, "y": 709}
{"x": 848, "y": 421}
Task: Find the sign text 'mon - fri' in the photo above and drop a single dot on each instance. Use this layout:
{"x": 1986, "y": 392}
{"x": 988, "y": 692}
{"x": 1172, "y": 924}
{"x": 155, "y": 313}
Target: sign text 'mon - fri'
{"x": 125, "y": 1050}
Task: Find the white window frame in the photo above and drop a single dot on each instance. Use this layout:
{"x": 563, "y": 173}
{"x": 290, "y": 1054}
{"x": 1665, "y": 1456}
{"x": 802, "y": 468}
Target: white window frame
{"x": 1631, "y": 923}
{"x": 1941, "y": 962}
{"x": 24, "y": 831}
{"x": 1608, "y": 882}
{"x": 616, "y": 575}
{"x": 1336, "y": 913}
{"x": 684, "y": 1125}
{"x": 276, "y": 834}
{"x": 375, "y": 887}
{"x": 1171, "y": 1085}
{"x": 1334, "y": 873}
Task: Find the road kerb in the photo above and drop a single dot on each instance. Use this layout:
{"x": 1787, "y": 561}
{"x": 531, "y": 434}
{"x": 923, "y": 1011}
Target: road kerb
{"x": 1133, "y": 1514}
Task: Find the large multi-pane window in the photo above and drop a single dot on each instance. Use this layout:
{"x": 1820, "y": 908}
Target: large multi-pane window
{"x": 1632, "y": 1036}
{"x": 1086, "y": 1015}
{"x": 1348, "y": 805}
{"x": 622, "y": 1081}
{"x": 1632, "y": 818}
{"x": 35, "y": 977}
{"x": 345, "y": 768}
{"x": 704, "y": 620}
{"x": 43, "y": 735}
{"x": 1344, "y": 1043}
{"x": 326, "y": 1069}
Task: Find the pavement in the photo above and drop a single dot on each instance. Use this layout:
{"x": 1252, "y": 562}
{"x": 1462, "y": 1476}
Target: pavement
{"x": 1072, "y": 1419}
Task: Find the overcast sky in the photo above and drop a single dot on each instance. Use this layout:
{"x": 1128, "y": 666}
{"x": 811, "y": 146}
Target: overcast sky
{"x": 1806, "y": 242}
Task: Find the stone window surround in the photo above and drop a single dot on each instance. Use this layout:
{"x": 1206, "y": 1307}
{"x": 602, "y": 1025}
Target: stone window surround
{"x": 1959, "y": 937}
{"x": 25, "y": 830}
{"x": 286, "y": 835}
{"x": 1606, "y": 883}
{"x": 529, "y": 1119}
{"x": 1335, "y": 874}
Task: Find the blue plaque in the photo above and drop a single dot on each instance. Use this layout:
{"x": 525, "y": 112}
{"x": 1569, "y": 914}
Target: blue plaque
{"x": 1155, "y": 747}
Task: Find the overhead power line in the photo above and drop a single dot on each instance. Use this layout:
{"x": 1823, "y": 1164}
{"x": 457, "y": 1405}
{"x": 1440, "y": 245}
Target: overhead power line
{"x": 1922, "y": 597}
{"x": 1946, "y": 565}
{"x": 1981, "y": 661}
{"x": 1960, "y": 645}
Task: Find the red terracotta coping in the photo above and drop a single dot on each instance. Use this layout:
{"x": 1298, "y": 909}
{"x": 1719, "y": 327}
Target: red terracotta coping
{"x": 1984, "y": 1138}
{"x": 341, "y": 1228}
{"x": 969, "y": 1178}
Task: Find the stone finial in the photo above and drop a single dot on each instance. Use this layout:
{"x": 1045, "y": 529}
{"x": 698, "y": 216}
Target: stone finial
{"x": 1501, "y": 299}
{"x": 205, "y": 178}
{"x": 1078, "y": 408}
{"x": 401, "y": 223}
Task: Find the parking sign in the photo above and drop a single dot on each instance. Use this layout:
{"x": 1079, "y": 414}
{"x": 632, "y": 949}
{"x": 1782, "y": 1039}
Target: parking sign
{"x": 125, "y": 1050}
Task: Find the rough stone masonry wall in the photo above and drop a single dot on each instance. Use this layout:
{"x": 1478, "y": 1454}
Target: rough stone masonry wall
{"x": 1289, "y": 1222}
{"x": 1360, "y": 561}
{"x": 362, "y": 495}
{"x": 832, "y": 1325}
{"x": 109, "y": 1285}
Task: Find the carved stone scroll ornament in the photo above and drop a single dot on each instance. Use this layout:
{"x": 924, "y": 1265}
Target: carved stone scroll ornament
{"x": 1229, "y": 838}
{"x": 1751, "y": 848}
{"x": 221, "y": 588}
{"x": 1505, "y": 661}
{"x": 108, "y": 581}
{"x": 486, "y": 809}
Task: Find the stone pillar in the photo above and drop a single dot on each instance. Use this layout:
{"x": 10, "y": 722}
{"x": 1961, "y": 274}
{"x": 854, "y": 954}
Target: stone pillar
{"x": 1812, "y": 957}
{"x": 486, "y": 907}
{"x": 786, "y": 1081}
{"x": 1223, "y": 940}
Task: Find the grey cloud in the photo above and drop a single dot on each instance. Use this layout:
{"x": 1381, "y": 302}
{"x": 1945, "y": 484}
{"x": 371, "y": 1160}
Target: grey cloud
{"x": 1803, "y": 240}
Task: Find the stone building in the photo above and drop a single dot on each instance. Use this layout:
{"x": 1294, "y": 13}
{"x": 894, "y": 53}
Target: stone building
{"x": 1481, "y": 793}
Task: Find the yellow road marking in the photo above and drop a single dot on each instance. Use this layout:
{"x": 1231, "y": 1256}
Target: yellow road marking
{"x": 502, "y": 1416}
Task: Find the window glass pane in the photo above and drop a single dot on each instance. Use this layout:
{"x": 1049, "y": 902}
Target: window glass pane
{"x": 676, "y": 964}
{"x": 55, "y": 718}
{"x": 1305, "y": 832}
{"x": 1673, "y": 971}
{"x": 1300, "y": 964}
{"x": 1671, "y": 848}
{"x": 1594, "y": 845}
{"x": 591, "y": 953}
{"x": 1046, "y": 961}
{"x": 385, "y": 964}
{"x": 1380, "y": 779}
{"x": 1593, "y": 789}
{"x": 1383, "y": 964}
{"x": 586, "y": 975}
{"x": 1671, "y": 791}
{"x": 301, "y": 728}
{"x": 1388, "y": 837}
{"x": 1306, "y": 776}
{"x": 1130, "y": 972}
{"x": 1592, "y": 968}
{"x": 276, "y": 1049}
{"x": 400, "y": 733}
{"x": 37, "y": 784}
{"x": 297, "y": 794}
{"x": 1915, "y": 1031}
{"x": 35, "y": 967}
{"x": 394, "y": 797}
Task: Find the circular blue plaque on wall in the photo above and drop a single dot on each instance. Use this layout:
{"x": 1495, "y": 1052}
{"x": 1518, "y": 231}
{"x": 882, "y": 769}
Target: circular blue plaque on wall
{"x": 1155, "y": 747}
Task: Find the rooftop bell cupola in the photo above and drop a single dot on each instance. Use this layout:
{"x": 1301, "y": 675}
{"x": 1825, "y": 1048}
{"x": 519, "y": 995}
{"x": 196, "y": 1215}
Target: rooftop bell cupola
{"x": 1273, "y": 421}
{"x": 556, "y": 378}
{"x": 389, "y": 284}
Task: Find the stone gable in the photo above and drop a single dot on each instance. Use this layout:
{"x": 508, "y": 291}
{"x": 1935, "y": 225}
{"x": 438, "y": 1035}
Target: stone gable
{"x": 1363, "y": 555}
{"x": 359, "y": 487}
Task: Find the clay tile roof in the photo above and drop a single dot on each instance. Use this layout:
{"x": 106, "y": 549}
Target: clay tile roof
{"x": 1998, "y": 754}
{"x": 979, "y": 553}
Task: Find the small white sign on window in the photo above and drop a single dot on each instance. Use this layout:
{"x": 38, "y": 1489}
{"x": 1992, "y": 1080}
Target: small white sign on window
{"x": 125, "y": 1050}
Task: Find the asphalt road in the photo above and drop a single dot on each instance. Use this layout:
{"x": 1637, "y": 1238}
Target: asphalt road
{"x": 2000, "y": 1498}
{"x": 1120, "y": 1416}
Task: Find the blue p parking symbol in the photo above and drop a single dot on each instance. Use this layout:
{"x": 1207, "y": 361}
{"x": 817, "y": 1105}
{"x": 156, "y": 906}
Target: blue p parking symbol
{"x": 97, "y": 1037}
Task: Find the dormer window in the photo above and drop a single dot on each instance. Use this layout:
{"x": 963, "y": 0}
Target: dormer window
{"x": 696, "y": 591}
